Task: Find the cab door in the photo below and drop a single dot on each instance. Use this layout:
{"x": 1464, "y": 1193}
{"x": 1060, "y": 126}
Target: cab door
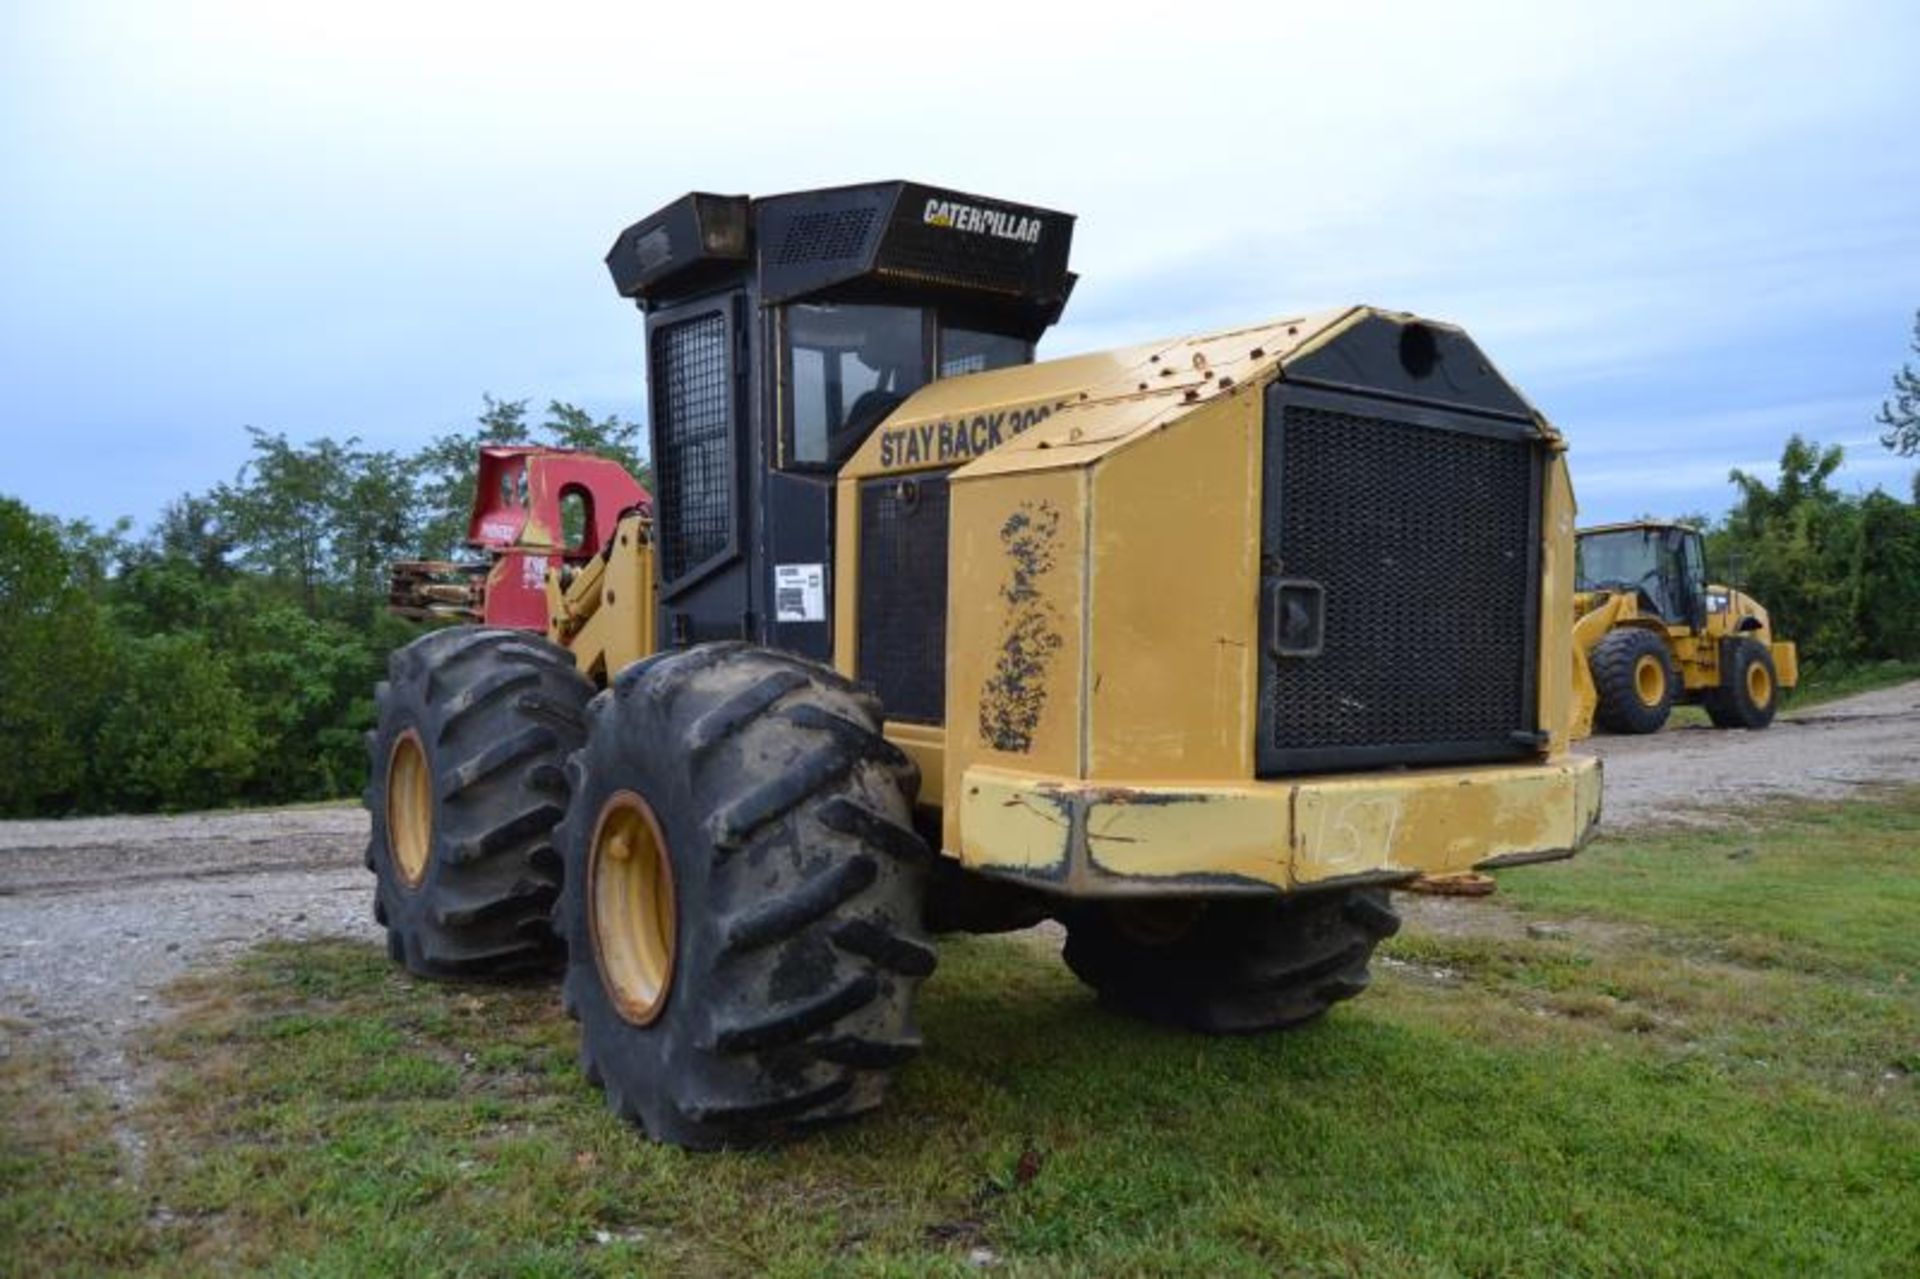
{"x": 702, "y": 458}
{"x": 1693, "y": 559}
{"x": 841, "y": 370}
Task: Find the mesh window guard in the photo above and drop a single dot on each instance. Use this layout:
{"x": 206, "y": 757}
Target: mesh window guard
{"x": 693, "y": 472}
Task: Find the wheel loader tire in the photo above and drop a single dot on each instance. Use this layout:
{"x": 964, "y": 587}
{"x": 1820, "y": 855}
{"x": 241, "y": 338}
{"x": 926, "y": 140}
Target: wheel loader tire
{"x": 743, "y": 897}
{"x": 1749, "y": 690}
{"x": 467, "y": 782}
{"x": 1232, "y": 967}
{"x": 1634, "y": 676}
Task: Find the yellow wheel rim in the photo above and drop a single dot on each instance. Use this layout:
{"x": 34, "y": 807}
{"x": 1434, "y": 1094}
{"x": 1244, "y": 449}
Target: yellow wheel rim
{"x": 1649, "y": 680}
{"x": 630, "y": 907}
{"x": 409, "y": 808}
{"x": 1759, "y": 685}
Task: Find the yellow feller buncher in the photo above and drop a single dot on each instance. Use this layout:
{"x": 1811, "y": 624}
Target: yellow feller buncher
{"x": 1651, "y": 632}
{"x": 1198, "y": 646}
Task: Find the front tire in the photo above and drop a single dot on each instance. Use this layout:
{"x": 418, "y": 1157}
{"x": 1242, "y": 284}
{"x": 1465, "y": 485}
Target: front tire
{"x": 1634, "y": 676}
{"x": 1231, "y": 966}
{"x": 466, "y": 784}
{"x": 742, "y": 899}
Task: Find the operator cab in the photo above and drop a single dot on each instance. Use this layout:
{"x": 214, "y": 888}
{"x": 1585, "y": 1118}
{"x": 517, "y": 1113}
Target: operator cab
{"x": 1666, "y": 564}
{"x": 780, "y": 332}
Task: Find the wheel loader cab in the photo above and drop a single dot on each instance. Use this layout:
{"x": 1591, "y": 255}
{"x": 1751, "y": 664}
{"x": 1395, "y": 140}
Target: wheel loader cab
{"x": 1664, "y": 563}
{"x": 781, "y": 332}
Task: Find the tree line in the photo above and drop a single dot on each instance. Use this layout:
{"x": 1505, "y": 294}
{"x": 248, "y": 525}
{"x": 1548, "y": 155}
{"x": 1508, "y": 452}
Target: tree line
{"x": 1839, "y": 573}
{"x": 228, "y": 654}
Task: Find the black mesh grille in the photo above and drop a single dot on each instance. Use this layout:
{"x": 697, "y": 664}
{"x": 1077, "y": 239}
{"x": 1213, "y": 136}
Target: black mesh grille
{"x": 1423, "y": 539}
{"x": 903, "y": 595}
{"x": 824, "y": 237}
{"x": 693, "y": 434}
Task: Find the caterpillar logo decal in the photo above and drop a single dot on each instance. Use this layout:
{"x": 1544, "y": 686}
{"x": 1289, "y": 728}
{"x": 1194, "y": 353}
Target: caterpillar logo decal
{"x": 998, "y": 223}
{"x": 956, "y": 439}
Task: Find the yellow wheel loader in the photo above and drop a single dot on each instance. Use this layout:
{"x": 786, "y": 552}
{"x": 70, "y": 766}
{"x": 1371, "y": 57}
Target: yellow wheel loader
{"x": 1651, "y": 632}
{"x": 1198, "y": 646}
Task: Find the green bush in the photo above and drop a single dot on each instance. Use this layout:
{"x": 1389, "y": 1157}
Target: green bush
{"x": 177, "y": 733}
{"x": 55, "y": 667}
{"x": 230, "y": 656}
{"x": 309, "y": 684}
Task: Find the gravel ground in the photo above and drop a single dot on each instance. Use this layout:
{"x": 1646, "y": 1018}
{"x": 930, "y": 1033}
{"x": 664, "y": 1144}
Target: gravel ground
{"x": 97, "y": 915}
{"x": 1697, "y": 773}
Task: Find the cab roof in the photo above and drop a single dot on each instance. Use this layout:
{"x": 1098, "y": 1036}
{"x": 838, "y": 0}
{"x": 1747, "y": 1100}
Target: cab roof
{"x": 1626, "y": 526}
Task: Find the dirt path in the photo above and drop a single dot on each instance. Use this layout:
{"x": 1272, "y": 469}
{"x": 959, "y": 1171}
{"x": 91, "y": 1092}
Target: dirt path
{"x": 96, "y": 916}
{"x": 1688, "y": 773}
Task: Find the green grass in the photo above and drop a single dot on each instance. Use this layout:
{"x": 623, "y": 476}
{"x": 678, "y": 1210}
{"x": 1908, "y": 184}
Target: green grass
{"x": 1823, "y": 888}
{"x": 65, "y": 1208}
{"x": 1823, "y": 683}
{"x": 1706, "y": 1067}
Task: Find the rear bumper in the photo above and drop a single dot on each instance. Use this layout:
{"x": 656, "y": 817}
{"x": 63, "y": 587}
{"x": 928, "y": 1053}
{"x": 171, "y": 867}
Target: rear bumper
{"x": 1087, "y": 840}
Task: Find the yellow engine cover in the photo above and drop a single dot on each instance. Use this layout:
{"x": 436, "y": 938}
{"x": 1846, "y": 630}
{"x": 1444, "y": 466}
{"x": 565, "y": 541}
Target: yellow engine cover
{"x": 1103, "y": 630}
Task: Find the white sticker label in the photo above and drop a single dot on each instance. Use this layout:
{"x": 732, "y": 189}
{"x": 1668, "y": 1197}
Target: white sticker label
{"x": 799, "y": 593}
{"x": 533, "y": 572}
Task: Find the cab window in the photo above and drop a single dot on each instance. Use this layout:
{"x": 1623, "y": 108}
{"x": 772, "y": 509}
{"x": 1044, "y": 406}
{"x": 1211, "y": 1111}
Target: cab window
{"x": 847, "y": 368}
{"x": 1626, "y": 558}
{"x": 965, "y": 351}
{"x": 1696, "y": 559}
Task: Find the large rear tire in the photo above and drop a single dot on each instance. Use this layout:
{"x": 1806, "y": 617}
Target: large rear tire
{"x": 743, "y": 897}
{"x": 466, "y": 784}
{"x": 1230, "y": 966}
{"x": 1634, "y": 676}
{"x": 1749, "y": 691}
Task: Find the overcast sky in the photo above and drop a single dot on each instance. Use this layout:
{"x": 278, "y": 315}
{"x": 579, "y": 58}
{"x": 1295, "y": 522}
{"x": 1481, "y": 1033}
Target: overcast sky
{"x": 1684, "y": 229}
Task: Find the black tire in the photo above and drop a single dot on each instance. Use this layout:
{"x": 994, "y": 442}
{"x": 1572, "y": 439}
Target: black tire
{"x": 798, "y": 889}
{"x": 1234, "y": 966}
{"x": 1618, "y": 662}
{"x": 1744, "y": 663}
{"x": 495, "y": 713}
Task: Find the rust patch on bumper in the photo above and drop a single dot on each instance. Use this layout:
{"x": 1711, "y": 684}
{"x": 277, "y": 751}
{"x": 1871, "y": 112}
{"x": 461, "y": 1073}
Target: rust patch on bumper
{"x": 1467, "y": 884}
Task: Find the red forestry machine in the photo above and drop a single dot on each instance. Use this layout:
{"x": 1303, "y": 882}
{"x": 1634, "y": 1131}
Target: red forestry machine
{"x": 531, "y": 505}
